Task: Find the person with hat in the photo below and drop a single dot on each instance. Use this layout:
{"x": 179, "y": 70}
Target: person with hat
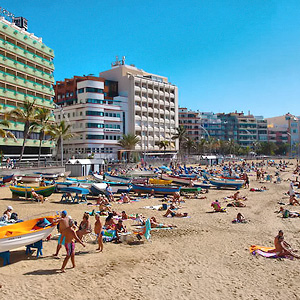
{"x": 37, "y": 196}
{"x": 7, "y": 214}
{"x": 63, "y": 224}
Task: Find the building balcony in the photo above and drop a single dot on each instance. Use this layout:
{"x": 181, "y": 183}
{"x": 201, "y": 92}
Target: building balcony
{"x": 172, "y": 96}
{"x": 144, "y": 99}
{"x": 138, "y": 127}
{"x": 137, "y": 88}
{"x": 150, "y": 91}
{"x": 137, "y": 108}
{"x": 137, "y": 98}
{"x": 162, "y": 102}
{"x": 138, "y": 117}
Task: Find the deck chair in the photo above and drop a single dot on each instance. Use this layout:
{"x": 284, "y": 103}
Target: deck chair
{"x": 144, "y": 230}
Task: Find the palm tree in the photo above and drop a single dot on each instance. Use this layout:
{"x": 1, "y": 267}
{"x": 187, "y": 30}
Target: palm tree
{"x": 25, "y": 115}
{"x": 189, "y": 145}
{"x": 180, "y": 135}
{"x": 163, "y": 145}
{"x": 43, "y": 116}
{"x": 4, "y": 133}
{"x": 59, "y": 132}
{"x": 128, "y": 142}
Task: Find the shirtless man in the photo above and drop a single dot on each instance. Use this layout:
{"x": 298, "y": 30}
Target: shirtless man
{"x": 70, "y": 235}
{"x": 282, "y": 248}
{"x": 174, "y": 214}
{"x": 63, "y": 223}
{"x": 98, "y": 230}
{"x": 37, "y": 196}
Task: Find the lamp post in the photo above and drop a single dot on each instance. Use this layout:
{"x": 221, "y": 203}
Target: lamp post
{"x": 61, "y": 139}
{"x": 208, "y": 135}
{"x": 290, "y": 143}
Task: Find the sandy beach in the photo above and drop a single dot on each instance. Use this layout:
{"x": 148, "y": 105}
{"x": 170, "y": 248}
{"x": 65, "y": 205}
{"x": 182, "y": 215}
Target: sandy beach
{"x": 205, "y": 257}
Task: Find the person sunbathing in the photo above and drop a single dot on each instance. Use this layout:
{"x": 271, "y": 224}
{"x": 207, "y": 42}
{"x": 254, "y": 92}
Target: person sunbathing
{"x": 217, "y": 206}
{"x": 109, "y": 222}
{"x": 239, "y": 219}
{"x": 236, "y": 203}
{"x": 84, "y": 227}
{"x": 37, "y": 196}
{"x": 174, "y": 214}
{"x": 155, "y": 224}
{"x": 176, "y": 198}
{"x": 294, "y": 201}
{"x": 288, "y": 214}
{"x": 124, "y": 216}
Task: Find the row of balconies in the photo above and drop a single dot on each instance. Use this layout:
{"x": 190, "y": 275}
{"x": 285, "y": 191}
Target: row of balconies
{"x": 11, "y": 94}
{"x": 28, "y": 84}
{"x": 26, "y": 54}
{"x": 25, "y": 38}
{"x": 16, "y": 65}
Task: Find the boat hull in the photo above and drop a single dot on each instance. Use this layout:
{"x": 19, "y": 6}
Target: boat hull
{"x": 98, "y": 188}
{"x": 159, "y": 181}
{"x": 112, "y": 178}
{"x": 177, "y": 179}
{"x": 22, "y": 191}
{"x": 142, "y": 189}
{"x": 227, "y": 183}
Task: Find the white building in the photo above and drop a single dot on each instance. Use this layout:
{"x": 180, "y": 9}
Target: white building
{"x": 95, "y": 118}
{"x": 152, "y": 106}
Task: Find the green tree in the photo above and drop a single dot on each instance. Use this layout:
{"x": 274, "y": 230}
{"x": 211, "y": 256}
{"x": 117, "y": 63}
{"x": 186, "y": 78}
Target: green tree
{"x": 180, "y": 135}
{"x": 189, "y": 145}
{"x": 59, "y": 132}
{"x": 128, "y": 142}
{"x": 5, "y": 133}
{"x": 43, "y": 116}
{"x": 27, "y": 116}
{"x": 163, "y": 145}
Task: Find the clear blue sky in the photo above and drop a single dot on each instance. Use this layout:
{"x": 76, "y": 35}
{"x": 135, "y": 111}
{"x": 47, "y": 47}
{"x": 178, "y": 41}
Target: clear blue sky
{"x": 224, "y": 55}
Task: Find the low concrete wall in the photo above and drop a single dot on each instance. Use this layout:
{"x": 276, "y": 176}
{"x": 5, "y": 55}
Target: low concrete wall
{"x": 4, "y": 172}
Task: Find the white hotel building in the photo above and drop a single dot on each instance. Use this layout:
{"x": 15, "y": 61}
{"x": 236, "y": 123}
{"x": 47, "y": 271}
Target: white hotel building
{"x": 122, "y": 100}
{"x": 152, "y": 106}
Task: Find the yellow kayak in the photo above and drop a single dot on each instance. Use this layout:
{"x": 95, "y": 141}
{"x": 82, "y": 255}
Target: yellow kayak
{"x": 159, "y": 181}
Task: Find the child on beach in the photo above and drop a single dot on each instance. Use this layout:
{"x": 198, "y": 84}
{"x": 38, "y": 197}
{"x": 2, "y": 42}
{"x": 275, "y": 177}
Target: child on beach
{"x": 98, "y": 232}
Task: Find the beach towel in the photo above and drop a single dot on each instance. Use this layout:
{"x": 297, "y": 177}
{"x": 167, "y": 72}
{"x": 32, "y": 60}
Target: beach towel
{"x": 263, "y": 251}
{"x": 153, "y": 207}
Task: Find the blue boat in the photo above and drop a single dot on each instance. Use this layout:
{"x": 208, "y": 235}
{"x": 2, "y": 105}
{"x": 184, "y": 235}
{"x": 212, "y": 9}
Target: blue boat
{"x": 75, "y": 189}
{"x": 148, "y": 189}
{"x": 227, "y": 183}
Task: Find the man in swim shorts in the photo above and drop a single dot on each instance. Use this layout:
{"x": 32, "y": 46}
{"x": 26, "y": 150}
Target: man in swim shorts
{"x": 63, "y": 223}
{"x": 70, "y": 235}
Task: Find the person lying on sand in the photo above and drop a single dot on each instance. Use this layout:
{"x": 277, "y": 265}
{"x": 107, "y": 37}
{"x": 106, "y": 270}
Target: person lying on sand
{"x": 217, "y": 206}
{"x": 174, "y": 214}
{"x": 70, "y": 235}
{"x": 282, "y": 248}
{"x": 155, "y": 224}
{"x": 288, "y": 214}
{"x": 236, "y": 203}
{"x": 261, "y": 189}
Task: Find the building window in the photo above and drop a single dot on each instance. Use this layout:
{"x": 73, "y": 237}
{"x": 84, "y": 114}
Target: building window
{"x": 94, "y": 125}
{"x": 80, "y": 91}
{"x": 93, "y": 90}
{"x": 94, "y": 137}
{"x": 94, "y": 113}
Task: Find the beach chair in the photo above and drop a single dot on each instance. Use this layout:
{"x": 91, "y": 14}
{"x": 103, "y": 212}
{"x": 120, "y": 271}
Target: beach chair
{"x": 144, "y": 230}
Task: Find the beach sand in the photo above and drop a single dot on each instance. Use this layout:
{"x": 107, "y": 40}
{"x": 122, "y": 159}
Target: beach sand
{"x": 205, "y": 257}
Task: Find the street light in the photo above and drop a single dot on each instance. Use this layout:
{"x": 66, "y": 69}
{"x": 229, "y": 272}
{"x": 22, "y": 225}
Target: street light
{"x": 208, "y": 135}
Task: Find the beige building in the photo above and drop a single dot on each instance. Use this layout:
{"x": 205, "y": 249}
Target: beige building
{"x": 152, "y": 105}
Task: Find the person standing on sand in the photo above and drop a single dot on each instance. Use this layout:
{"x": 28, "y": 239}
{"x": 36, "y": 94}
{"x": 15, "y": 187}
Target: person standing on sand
{"x": 70, "y": 235}
{"x": 63, "y": 223}
{"x": 98, "y": 232}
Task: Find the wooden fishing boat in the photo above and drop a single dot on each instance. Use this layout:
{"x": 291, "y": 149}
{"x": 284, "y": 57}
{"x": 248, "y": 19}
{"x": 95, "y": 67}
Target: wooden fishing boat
{"x": 48, "y": 176}
{"x": 156, "y": 189}
{"x": 25, "y": 191}
{"x": 202, "y": 185}
{"x": 75, "y": 189}
{"x": 6, "y": 179}
{"x": 25, "y": 233}
{"x": 141, "y": 173}
{"x": 28, "y": 178}
{"x": 114, "y": 178}
{"x": 98, "y": 188}
{"x": 228, "y": 183}
{"x": 159, "y": 181}
{"x": 190, "y": 190}
{"x": 97, "y": 177}
{"x": 177, "y": 179}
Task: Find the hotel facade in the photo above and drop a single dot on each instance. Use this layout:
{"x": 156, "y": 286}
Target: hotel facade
{"x": 26, "y": 74}
{"x": 120, "y": 101}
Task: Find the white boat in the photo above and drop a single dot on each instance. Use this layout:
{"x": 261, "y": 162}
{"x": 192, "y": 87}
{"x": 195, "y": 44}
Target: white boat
{"x": 177, "y": 179}
{"x": 141, "y": 173}
{"x": 24, "y": 233}
{"x": 98, "y": 188}
{"x": 114, "y": 178}
{"x": 28, "y": 178}
{"x": 97, "y": 177}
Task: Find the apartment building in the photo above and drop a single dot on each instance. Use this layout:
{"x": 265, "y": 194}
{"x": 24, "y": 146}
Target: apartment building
{"x": 200, "y": 125}
{"x": 26, "y": 73}
{"x": 151, "y": 106}
{"x": 88, "y": 104}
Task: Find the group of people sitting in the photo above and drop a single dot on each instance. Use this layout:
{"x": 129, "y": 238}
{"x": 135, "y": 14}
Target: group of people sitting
{"x": 9, "y": 216}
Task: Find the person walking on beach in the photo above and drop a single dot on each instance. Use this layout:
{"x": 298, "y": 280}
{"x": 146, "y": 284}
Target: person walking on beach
{"x": 70, "y": 235}
{"x": 63, "y": 223}
{"x": 98, "y": 232}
